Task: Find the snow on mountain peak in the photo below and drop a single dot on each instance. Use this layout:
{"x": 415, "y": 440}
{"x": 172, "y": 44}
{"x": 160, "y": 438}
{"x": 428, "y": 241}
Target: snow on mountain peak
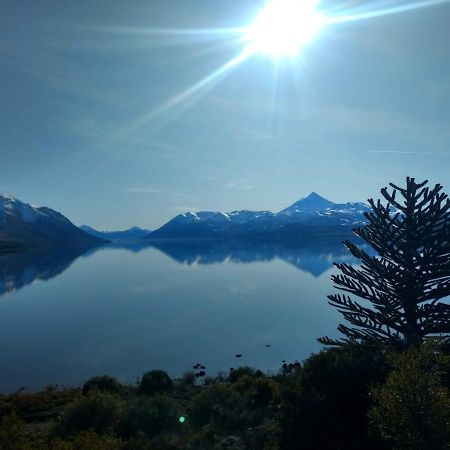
{"x": 30, "y": 225}
{"x": 13, "y": 206}
{"x": 7, "y": 197}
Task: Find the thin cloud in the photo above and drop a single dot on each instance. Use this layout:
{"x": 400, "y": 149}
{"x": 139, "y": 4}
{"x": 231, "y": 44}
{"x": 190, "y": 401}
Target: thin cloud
{"x": 146, "y": 150}
{"x": 401, "y": 152}
{"x": 240, "y": 184}
{"x": 318, "y": 121}
{"x": 86, "y": 127}
{"x": 253, "y": 135}
{"x": 142, "y": 190}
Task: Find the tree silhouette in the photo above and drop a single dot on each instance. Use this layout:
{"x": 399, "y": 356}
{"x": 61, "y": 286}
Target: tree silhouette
{"x": 405, "y": 284}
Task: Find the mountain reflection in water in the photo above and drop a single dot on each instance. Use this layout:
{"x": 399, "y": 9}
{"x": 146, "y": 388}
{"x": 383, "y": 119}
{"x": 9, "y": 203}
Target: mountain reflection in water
{"x": 20, "y": 269}
{"x": 314, "y": 257}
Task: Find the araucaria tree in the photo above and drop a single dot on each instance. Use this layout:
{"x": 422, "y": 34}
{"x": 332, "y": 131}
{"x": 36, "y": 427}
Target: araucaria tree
{"x": 404, "y": 286}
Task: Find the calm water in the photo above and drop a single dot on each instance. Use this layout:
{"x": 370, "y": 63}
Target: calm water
{"x": 66, "y": 315}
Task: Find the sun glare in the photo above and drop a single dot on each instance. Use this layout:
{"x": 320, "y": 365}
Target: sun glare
{"x": 283, "y": 27}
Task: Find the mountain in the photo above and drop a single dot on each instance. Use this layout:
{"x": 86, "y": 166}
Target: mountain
{"x": 311, "y": 215}
{"x": 23, "y": 225}
{"x": 125, "y": 235}
{"x": 310, "y": 204}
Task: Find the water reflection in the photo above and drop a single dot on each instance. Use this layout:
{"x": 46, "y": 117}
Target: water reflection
{"x": 126, "y": 308}
{"x": 314, "y": 257}
{"x": 18, "y": 270}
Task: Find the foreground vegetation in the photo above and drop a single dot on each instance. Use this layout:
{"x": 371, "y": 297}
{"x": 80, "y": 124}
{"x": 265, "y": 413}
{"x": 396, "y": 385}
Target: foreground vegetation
{"x": 352, "y": 397}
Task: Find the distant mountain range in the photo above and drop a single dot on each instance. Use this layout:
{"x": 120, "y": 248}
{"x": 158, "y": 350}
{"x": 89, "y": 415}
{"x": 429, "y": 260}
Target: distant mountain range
{"x": 23, "y": 225}
{"x": 312, "y": 215}
{"x": 125, "y": 235}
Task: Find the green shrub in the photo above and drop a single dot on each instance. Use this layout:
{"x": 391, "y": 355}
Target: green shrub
{"x": 221, "y": 407}
{"x": 163, "y": 442}
{"x": 96, "y": 411}
{"x": 13, "y": 435}
{"x": 148, "y": 416}
{"x": 325, "y": 401}
{"x": 259, "y": 390}
{"x": 138, "y": 442}
{"x": 235, "y": 374}
{"x": 155, "y": 382}
{"x": 412, "y": 408}
{"x": 103, "y": 383}
{"x": 264, "y": 436}
{"x": 230, "y": 443}
{"x": 40, "y": 406}
{"x": 168, "y": 442}
{"x": 203, "y": 438}
{"x": 87, "y": 440}
{"x": 6, "y": 407}
{"x": 188, "y": 378}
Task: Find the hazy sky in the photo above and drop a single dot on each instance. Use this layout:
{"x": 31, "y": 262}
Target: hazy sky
{"x": 84, "y": 129}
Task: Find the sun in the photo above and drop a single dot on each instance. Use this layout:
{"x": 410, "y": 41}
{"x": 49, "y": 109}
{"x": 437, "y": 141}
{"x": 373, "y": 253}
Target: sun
{"x": 284, "y": 27}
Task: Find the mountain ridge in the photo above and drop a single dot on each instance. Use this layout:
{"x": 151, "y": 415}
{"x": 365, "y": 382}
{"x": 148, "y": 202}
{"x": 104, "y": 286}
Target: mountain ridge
{"x": 119, "y": 235}
{"x": 311, "y": 215}
{"x": 23, "y": 225}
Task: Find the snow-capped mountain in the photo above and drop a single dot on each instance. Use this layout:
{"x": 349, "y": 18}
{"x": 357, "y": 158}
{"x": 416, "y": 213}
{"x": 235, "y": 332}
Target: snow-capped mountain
{"x": 23, "y": 225}
{"x": 312, "y": 214}
{"x": 123, "y": 235}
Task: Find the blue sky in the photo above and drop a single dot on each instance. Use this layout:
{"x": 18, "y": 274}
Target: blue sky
{"x": 84, "y": 129}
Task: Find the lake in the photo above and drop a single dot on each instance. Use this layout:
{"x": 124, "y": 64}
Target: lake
{"x": 67, "y": 314}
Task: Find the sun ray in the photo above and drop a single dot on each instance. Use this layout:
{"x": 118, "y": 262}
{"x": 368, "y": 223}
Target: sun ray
{"x": 384, "y": 12}
{"x": 209, "y": 33}
{"x": 198, "y": 89}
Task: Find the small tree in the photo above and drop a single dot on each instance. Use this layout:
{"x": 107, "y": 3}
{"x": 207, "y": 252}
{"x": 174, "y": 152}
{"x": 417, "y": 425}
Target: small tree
{"x": 408, "y": 279}
{"x": 411, "y": 410}
{"x": 155, "y": 382}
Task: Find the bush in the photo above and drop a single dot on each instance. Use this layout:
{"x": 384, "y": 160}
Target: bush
{"x": 331, "y": 392}
{"x": 412, "y": 408}
{"x": 148, "y": 416}
{"x": 103, "y": 384}
{"x": 230, "y": 443}
{"x": 13, "y": 435}
{"x": 263, "y": 437}
{"x": 139, "y": 442}
{"x": 221, "y": 407}
{"x": 234, "y": 375}
{"x": 259, "y": 390}
{"x": 87, "y": 440}
{"x": 155, "y": 382}
{"x": 188, "y": 378}
{"x": 96, "y": 411}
